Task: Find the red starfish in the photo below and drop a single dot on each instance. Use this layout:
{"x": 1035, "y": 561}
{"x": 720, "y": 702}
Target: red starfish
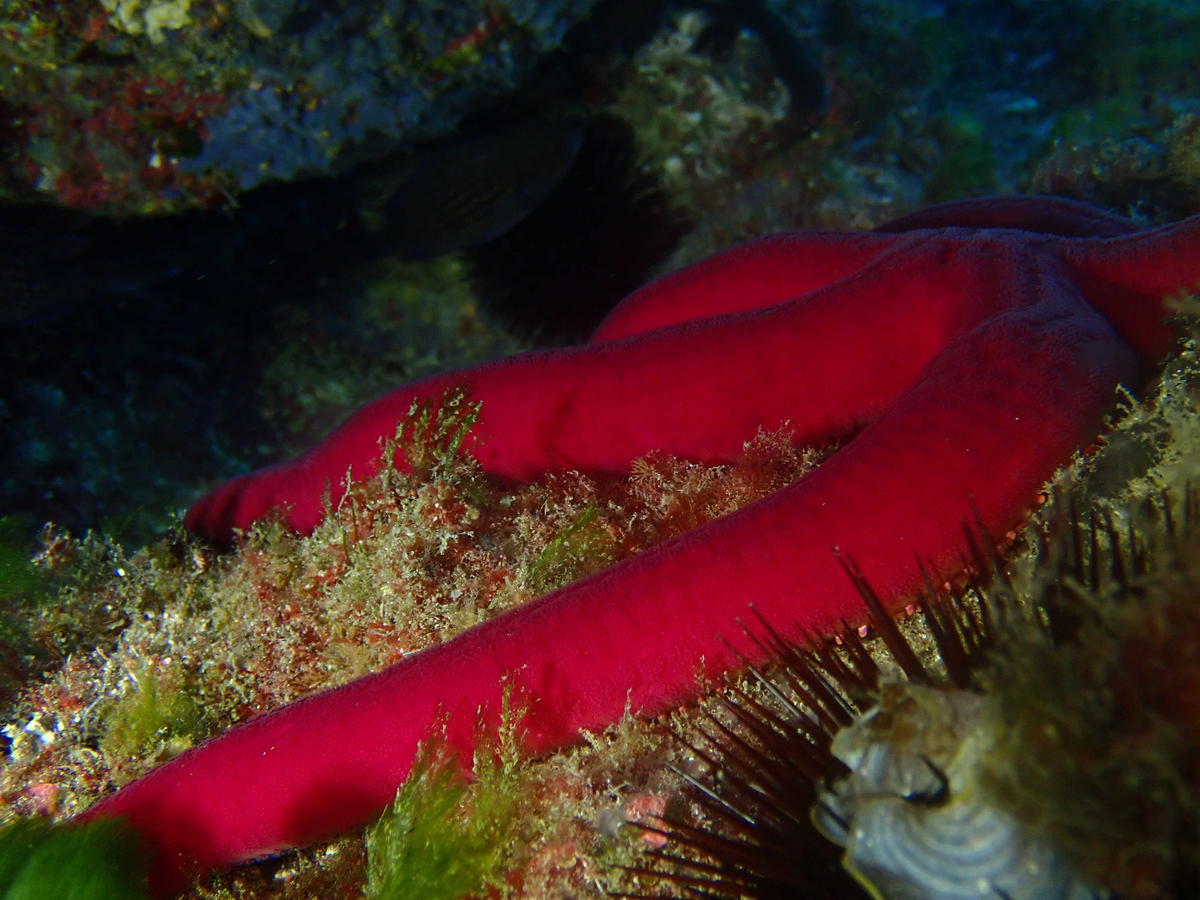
{"x": 966, "y": 352}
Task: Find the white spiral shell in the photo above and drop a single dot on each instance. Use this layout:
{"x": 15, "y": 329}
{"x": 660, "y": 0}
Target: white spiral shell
{"x": 912, "y": 816}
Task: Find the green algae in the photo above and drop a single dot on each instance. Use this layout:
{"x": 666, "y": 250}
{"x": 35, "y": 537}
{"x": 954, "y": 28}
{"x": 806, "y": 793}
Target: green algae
{"x": 415, "y": 319}
{"x": 431, "y": 439}
{"x": 24, "y": 589}
{"x": 968, "y": 163}
{"x": 19, "y": 578}
{"x": 581, "y": 547}
{"x": 444, "y": 838}
{"x": 97, "y": 861}
{"x": 157, "y": 718}
{"x": 149, "y": 18}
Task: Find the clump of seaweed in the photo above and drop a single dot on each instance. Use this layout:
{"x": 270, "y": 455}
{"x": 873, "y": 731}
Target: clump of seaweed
{"x": 156, "y": 718}
{"x": 98, "y": 861}
{"x": 697, "y": 122}
{"x": 419, "y": 318}
{"x": 443, "y": 838}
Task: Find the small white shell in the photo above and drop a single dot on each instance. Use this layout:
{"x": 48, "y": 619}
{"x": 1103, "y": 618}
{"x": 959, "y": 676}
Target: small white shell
{"x": 912, "y": 816}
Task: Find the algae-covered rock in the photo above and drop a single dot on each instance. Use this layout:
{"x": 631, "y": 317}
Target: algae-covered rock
{"x": 149, "y": 106}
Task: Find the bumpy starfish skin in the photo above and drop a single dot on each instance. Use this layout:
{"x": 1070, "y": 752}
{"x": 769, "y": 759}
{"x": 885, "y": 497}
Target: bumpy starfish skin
{"x": 964, "y": 364}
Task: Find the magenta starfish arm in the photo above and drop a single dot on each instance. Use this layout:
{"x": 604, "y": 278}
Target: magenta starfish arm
{"x": 599, "y": 406}
{"x": 781, "y": 267}
{"x": 1126, "y": 278}
{"x": 966, "y": 363}
{"x": 750, "y": 276}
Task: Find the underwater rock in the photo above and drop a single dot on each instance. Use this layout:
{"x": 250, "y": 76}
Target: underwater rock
{"x": 333, "y": 85}
{"x": 152, "y": 107}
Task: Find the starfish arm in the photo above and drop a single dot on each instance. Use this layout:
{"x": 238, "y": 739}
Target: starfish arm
{"x": 989, "y": 417}
{"x": 1126, "y": 279}
{"x": 777, "y": 268}
{"x": 753, "y": 275}
{"x": 598, "y": 407}
{"x": 1044, "y": 215}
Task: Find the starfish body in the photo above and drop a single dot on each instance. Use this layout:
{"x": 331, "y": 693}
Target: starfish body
{"x": 961, "y": 363}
